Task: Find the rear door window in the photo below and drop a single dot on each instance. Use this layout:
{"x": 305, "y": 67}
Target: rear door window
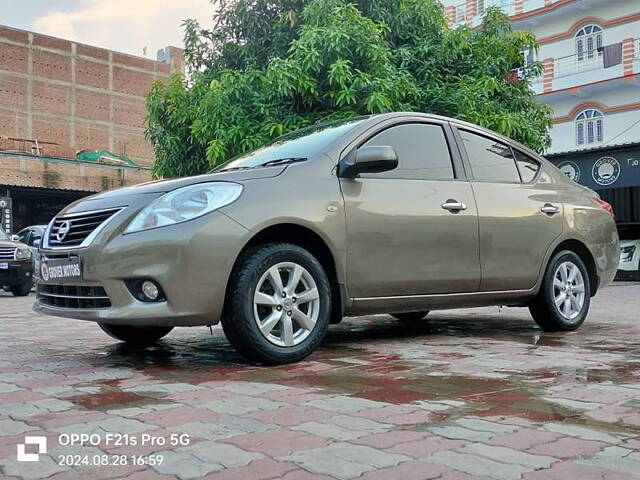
{"x": 491, "y": 161}
{"x": 527, "y": 166}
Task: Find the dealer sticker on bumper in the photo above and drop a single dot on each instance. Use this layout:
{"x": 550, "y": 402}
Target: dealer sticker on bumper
{"x": 60, "y": 269}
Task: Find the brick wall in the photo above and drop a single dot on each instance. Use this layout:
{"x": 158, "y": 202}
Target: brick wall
{"x": 76, "y": 96}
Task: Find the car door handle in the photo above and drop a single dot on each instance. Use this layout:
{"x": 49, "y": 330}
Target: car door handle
{"x": 454, "y": 205}
{"x": 549, "y": 209}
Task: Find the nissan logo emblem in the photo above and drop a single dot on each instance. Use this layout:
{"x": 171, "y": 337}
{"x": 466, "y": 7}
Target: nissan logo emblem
{"x": 63, "y": 230}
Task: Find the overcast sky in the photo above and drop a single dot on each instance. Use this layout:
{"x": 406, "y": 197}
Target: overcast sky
{"x": 122, "y": 25}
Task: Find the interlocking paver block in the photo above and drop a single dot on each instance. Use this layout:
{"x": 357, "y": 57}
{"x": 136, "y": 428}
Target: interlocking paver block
{"x": 344, "y": 460}
{"x": 241, "y": 404}
{"x": 508, "y": 455}
{"x": 344, "y": 404}
{"x": 477, "y": 465}
{"x": 277, "y": 442}
{"x": 185, "y": 466}
{"x": 568, "y": 447}
{"x": 460, "y": 433}
{"x": 228, "y": 456}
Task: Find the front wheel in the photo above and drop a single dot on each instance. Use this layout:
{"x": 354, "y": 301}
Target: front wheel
{"x": 278, "y": 304}
{"x": 135, "y": 335}
{"x": 22, "y": 289}
{"x": 564, "y": 298}
{"x": 410, "y": 316}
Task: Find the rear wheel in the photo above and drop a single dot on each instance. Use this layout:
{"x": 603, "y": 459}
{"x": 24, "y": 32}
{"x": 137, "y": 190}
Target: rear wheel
{"x": 22, "y": 289}
{"x": 278, "y": 304}
{"x": 564, "y": 298}
{"x": 410, "y": 316}
{"x": 135, "y": 335}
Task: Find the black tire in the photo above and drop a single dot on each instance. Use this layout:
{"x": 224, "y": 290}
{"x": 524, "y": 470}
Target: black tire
{"x": 410, "y": 316}
{"x": 22, "y": 289}
{"x": 543, "y": 308}
{"x": 238, "y": 320}
{"x": 135, "y": 335}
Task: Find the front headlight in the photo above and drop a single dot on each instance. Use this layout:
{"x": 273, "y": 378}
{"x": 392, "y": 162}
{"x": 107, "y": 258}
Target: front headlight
{"x": 22, "y": 253}
{"x": 184, "y": 204}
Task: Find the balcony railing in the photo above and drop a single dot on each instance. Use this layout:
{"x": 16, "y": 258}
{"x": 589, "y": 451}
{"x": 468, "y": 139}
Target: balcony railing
{"x": 576, "y": 70}
{"x": 509, "y": 7}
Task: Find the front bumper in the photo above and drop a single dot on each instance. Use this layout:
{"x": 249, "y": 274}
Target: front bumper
{"x": 17, "y": 273}
{"x": 191, "y": 262}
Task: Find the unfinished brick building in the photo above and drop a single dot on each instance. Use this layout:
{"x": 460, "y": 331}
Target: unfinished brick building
{"x": 59, "y": 97}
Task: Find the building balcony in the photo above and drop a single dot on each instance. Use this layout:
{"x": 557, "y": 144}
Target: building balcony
{"x": 574, "y": 74}
{"x": 523, "y": 13}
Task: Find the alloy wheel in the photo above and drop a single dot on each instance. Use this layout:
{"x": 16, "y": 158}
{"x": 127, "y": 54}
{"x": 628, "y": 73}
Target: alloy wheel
{"x": 568, "y": 290}
{"x": 286, "y": 304}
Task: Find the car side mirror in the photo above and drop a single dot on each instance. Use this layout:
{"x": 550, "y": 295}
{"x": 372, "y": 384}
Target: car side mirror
{"x": 15, "y": 238}
{"x": 374, "y": 159}
{"x": 36, "y": 243}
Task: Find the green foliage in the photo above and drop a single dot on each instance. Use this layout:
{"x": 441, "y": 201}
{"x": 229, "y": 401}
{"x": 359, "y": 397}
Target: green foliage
{"x": 269, "y": 67}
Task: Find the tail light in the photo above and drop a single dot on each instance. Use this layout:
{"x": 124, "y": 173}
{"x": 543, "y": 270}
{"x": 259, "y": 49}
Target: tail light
{"x": 604, "y": 205}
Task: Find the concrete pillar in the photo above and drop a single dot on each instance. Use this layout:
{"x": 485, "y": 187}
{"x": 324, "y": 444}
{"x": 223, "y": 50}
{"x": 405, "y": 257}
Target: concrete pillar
{"x": 450, "y": 12}
{"x": 628, "y": 55}
{"x": 547, "y": 79}
{"x": 471, "y": 11}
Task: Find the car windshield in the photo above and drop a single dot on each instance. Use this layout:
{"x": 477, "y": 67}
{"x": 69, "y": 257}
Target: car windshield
{"x": 3, "y": 236}
{"x": 293, "y": 147}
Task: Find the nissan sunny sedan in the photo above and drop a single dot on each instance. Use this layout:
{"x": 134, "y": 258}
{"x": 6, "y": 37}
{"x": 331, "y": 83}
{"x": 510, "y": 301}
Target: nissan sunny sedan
{"x": 398, "y": 213}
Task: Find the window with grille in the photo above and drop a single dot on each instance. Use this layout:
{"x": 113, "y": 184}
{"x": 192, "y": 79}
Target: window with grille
{"x": 589, "y": 127}
{"x": 588, "y": 43}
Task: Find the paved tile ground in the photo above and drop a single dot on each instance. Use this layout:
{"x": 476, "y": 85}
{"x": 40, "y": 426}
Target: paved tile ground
{"x": 465, "y": 394}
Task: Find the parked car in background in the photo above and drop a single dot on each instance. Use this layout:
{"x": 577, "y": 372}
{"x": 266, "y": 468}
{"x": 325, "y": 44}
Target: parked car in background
{"x": 398, "y": 213}
{"x": 16, "y": 266}
{"x": 630, "y": 255}
{"x": 30, "y": 236}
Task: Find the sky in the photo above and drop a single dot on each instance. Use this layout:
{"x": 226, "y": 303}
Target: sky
{"x": 123, "y": 25}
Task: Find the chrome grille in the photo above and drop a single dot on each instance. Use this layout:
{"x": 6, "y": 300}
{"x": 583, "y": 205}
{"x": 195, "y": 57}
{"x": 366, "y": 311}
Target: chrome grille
{"x": 74, "y": 229}
{"x": 7, "y": 253}
{"x": 72, "y": 296}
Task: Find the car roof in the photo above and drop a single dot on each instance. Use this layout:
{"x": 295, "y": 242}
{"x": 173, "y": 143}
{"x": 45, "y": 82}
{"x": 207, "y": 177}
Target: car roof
{"x": 459, "y": 123}
{"x": 335, "y": 148}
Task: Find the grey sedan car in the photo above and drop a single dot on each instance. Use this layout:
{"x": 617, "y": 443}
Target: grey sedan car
{"x": 398, "y": 213}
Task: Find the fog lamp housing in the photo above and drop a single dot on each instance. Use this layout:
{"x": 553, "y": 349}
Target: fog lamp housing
{"x": 145, "y": 290}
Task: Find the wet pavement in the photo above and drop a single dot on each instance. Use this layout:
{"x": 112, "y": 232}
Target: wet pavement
{"x": 463, "y": 394}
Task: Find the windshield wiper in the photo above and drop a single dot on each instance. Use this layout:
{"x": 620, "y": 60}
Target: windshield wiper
{"x": 282, "y": 161}
{"x": 233, "y": 168}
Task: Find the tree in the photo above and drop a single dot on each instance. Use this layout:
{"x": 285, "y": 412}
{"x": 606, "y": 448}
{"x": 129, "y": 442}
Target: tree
{"x": 271, "y": 66}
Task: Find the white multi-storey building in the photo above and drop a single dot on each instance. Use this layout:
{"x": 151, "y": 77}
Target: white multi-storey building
{"x": 590, "y": 50}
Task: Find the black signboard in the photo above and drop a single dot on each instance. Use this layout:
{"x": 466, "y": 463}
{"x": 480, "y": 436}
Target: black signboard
{"x": 602, "y": 169}
{"x": 7, "y": 214}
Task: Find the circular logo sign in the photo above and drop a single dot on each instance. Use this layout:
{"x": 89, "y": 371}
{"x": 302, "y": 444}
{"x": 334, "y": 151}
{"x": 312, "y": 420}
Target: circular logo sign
{"x": 606, "y": 171}
{"x": 44, "y": 272}
{"x": 3, "y": 203}
{"x": 63, "y": 230}
{"x": 571, "y": 170}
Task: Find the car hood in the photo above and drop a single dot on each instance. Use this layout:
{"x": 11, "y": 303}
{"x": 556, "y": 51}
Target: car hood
{"x": 134, "y": 195}
{"x": 10, "y": 244}
{"x": 163, "y": 186}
